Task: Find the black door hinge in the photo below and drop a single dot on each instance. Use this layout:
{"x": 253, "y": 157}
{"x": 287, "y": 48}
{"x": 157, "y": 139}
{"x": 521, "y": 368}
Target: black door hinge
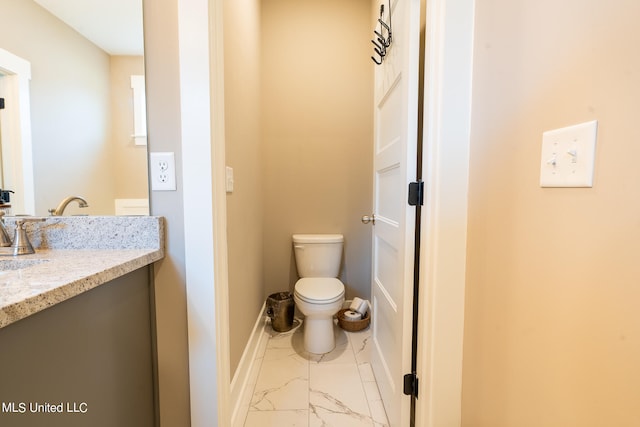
{"x": 411, "y": 385}
{"x": 416, "y": 193}
{"x": 1, "y": 103}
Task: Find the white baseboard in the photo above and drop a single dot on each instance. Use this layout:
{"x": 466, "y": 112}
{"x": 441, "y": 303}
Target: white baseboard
{"x": 246, "y": 374}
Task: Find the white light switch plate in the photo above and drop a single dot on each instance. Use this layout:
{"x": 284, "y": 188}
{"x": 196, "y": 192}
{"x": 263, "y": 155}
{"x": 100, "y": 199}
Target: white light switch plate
{"x": 229, "y": 179}
{"x": 568, "y": 156}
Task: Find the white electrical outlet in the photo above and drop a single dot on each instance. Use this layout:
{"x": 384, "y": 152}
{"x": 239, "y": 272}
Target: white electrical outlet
{"x": 163, "y": 171}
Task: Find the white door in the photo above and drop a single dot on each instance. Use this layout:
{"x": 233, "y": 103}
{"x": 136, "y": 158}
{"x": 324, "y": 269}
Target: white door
{"x": 395, "y": 155}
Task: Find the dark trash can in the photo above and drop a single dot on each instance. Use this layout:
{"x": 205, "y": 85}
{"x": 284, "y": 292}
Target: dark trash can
{"x": 280, "y": 308}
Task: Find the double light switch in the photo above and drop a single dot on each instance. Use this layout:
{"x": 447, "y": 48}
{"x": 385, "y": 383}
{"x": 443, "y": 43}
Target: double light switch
{"x": 568, "y": 156}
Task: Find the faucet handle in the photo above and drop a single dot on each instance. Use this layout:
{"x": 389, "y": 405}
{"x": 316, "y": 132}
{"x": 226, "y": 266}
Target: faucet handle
{"x": 21, "y": 244}
{"x": 5, "y": 240}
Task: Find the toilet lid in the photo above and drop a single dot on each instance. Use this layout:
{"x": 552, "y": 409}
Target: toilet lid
{"x": 325, "y": 289}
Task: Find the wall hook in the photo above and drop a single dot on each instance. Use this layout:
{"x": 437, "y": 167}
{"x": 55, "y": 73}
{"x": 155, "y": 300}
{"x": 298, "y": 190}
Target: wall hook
{"x": 383, "y": 42}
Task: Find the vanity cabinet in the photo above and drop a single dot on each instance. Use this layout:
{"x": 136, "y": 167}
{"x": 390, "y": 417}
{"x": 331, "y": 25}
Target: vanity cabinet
{"x": 87, "y": 361}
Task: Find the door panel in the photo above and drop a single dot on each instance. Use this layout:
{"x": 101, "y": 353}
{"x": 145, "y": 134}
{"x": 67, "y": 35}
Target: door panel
{"x": 395, "y": 151}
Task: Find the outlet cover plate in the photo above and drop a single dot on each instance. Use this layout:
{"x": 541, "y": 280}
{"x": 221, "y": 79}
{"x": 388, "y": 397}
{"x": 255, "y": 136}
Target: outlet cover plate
{"x": 568, "y": 156}
{"x": 163, "y": 171}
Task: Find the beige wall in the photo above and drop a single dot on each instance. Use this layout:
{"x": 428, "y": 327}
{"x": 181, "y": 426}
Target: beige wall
{"x": 317, "y": 129}
{"x": 552, "y": 333}
{"x": 298, "y": 136}
{"x": 130, "y": 160}
{"x": 244, "y": 155}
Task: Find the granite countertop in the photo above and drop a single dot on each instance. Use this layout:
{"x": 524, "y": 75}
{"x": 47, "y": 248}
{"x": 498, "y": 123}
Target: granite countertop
{"x": 74, "y": 255}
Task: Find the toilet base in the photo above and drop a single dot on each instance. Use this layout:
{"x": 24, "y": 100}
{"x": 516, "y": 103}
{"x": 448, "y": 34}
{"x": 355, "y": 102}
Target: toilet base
{"x": 319, "y": 337}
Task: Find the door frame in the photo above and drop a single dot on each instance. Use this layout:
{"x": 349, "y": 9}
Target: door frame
{"x": 445, "y": 157}
{"x": 448, "y": 71}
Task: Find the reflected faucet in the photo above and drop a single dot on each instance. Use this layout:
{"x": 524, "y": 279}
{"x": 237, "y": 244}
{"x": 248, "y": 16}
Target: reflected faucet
{"x": 63, "y": 204}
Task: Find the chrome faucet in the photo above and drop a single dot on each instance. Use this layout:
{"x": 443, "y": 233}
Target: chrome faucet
{"x": 21, "y": 244}
{"x": 63, "y": 204}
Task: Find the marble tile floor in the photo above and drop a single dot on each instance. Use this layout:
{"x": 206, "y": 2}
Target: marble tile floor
{"x": 296, "y": 388}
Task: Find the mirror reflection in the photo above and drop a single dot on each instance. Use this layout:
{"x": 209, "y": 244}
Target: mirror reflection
{"x": 85, "y": 109}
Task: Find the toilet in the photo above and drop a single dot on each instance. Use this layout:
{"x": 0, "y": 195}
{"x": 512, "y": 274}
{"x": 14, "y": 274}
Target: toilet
{"x": 318, "y": 293}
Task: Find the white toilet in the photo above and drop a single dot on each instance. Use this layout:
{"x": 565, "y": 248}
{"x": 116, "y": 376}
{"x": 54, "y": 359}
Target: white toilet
{"x": 318, "y": 294}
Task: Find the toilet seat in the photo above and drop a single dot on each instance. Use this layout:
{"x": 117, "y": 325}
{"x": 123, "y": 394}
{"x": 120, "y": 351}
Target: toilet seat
{"x": 319, "y": 290}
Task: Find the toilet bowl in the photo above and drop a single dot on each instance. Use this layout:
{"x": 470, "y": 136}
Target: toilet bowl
{"x": 319, "y": 299}
{"x": 318, "y": 294}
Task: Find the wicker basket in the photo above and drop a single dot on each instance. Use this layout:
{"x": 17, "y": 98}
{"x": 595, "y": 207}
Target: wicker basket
{"x": 353, "y": 325}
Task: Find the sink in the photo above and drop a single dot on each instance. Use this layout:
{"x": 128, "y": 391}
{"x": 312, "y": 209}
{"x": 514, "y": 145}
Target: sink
{"x": 18, "y": 264}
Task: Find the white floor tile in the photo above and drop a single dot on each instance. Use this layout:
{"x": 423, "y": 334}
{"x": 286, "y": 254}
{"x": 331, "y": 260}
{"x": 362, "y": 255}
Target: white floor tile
{"x": 371, "y": 392}
{"x": 322, "y": 418}
{"x": 298, "y": 389}
{"x": 366, "y": 373}
{"x": 378, "y": 414}
{"x": 335, "y": 389}
{"x": 361, "y": 343}
{"x": 283, "y": 383}
{"x": 285, "y": 339}
{"x": 298, "y": 418}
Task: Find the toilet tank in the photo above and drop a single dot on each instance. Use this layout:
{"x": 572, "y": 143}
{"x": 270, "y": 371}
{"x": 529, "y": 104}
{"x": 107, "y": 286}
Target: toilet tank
{"x": 318, "y": 255}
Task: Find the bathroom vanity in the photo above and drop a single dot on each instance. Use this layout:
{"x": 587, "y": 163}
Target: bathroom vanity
{"x": 76, "y": 340}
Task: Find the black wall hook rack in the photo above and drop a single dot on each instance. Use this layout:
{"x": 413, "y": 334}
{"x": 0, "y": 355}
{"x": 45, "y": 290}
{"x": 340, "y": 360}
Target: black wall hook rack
{"x": 383, "y": 38}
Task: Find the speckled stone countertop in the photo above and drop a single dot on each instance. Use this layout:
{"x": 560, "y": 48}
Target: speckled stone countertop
{"x": 74, "y": 255}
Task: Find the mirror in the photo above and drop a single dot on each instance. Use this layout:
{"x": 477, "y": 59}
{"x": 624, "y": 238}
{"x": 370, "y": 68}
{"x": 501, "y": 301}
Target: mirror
{"x": 85, "y": 57}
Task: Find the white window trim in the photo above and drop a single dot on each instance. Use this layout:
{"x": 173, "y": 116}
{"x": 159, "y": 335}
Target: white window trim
{"x": 139, "y": 110}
